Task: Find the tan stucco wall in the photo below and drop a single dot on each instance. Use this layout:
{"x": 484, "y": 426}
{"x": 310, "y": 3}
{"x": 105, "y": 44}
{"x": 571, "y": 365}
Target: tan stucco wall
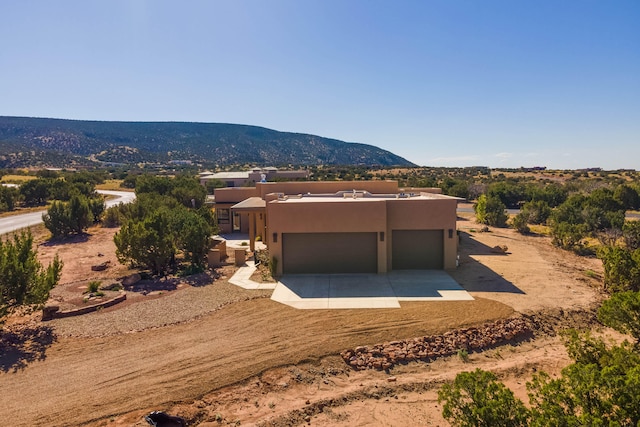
{"x": 363, "y": 215}
{"x": 234, "y": 194}
{"x": 419, "y": 214}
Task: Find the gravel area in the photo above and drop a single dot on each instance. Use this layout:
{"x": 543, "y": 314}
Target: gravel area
{"x": 138, "y": 313}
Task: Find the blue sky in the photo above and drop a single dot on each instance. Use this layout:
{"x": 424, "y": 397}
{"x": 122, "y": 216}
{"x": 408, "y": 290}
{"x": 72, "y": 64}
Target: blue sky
{"x": 442, "y": 83}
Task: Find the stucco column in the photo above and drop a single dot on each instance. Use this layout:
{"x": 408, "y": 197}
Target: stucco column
{"x": 252, "y": 231}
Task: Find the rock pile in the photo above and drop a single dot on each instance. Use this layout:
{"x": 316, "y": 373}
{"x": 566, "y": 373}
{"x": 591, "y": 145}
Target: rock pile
{"x": 384, "y": 356}
{"x": 500, "y": 249}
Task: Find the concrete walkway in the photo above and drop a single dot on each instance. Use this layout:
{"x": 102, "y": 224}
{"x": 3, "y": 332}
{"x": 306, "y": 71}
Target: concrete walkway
{"x": 242, "y": 278}
{"x": 333, "y": 291}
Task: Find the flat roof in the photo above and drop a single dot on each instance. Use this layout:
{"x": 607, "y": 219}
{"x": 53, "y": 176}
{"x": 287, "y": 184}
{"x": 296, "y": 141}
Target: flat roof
{"x": 229, "y": 175}
{"x": 359, "y": 198}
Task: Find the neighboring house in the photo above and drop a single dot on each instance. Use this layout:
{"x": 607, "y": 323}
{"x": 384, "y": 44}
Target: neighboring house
{"x": 344, "y": 226}
{"x": 247, "y": 178}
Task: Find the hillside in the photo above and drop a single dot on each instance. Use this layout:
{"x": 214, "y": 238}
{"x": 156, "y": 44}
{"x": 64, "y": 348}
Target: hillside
{"x": 28, "y": 141}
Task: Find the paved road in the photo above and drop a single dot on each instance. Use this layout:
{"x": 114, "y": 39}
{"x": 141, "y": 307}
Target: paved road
{"x": 16, "y": 222}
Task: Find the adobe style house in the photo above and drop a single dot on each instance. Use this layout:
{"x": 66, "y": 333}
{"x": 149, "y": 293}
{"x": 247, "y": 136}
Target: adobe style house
{"x": 343, "y": 226}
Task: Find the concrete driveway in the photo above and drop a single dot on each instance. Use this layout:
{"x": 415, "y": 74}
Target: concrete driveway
{"x": 332, "y": 291}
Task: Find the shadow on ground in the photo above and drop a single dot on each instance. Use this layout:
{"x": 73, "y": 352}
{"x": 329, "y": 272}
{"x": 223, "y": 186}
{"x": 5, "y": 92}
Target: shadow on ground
{"x": 21, "y": 346}
{"x": 171, "y": 283}
{"x": 476, "y": 277}
{"x": 78, "y": 238}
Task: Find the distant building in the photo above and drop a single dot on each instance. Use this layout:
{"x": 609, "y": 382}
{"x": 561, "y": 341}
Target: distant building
{"x": 251, "y": 177}
{"x": 180, "y": 162}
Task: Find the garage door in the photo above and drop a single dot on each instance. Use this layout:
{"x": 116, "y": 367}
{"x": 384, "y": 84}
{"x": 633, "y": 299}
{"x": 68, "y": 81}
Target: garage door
{"x": 418, "y": 249}
{"x": 325, "y": 253}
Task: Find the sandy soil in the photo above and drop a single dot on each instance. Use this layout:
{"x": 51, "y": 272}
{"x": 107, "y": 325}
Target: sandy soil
{"x": 259, "y": 362}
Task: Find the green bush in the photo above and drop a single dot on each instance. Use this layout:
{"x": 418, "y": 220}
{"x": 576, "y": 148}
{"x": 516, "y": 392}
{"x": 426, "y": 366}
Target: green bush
{"x": 621, "y": 268}
{"x": 490, "y": 211}
{"x": 519, "y": 222}
{"x": 112, "y": 217}
{"x": 23, "y": 280}
{"x": 622, "y": 313}
{"x": 93, "y": 286}
{"x": 478, "y": 399}
{"x": 65, "y": 218}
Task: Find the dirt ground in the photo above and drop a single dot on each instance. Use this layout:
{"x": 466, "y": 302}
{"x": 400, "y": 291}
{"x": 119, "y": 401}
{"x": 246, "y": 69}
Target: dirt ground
{"x": 256, "y": 362}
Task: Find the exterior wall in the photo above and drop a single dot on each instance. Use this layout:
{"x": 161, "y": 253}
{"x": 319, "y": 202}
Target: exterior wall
{"x": 420, "y": 214}
{"x": 363, "y": 215}
{"x": 234, "y": 195}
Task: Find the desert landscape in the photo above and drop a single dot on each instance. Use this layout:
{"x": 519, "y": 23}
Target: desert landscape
{"x": 213, "y": 353}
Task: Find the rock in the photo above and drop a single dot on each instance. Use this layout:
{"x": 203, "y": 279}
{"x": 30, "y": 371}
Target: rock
{"x": 100, "y": 267}
{"x": 391, "y": 379}
{"x": 111, "y": 287}
{"x": 131, "y": 280}
{"x": 499, "y": 249}
{"x": 49, "y": 310}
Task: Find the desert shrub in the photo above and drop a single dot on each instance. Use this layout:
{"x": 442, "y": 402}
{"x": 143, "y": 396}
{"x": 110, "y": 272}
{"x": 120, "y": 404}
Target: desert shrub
{"x": 148, "y": 242}
{"x": 622, "y": 313}
{"x": 35, "y": 192}
{"x": 192, "y": 233}
{"x": 23, "y": 280}
{"x": 631, "y": 234}
{"x": 511, "y": 194}
{"x": 621, "y": 268}
{"x": 490, "y": 210}
{"x": 568, "y": 236}
{"x": 519, "y": 222}
{"x": 65, "y": 218}
{"x": 112, "y": 217}
{"x": 57, "y": 220}
{"x": 478, "y": 399}
{"x": 8, "y": 198}
{"x": 537, "y": 212}
{"x": 627, "y": 196}
{"x": 93, "y": 286}
{"x": 97, "y": 207}
{"x": 600, "y": 388}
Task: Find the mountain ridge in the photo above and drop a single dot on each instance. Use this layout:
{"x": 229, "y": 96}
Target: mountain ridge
{"x": 28, "y": 140}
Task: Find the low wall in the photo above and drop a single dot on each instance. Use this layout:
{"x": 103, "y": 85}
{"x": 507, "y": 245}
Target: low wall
{"x": 385, "y": 356}
{"x": 55, "y": 314}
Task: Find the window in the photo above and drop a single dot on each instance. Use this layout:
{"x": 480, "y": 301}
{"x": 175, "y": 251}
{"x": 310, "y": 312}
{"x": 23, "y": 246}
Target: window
{"x": 223, "y": 216}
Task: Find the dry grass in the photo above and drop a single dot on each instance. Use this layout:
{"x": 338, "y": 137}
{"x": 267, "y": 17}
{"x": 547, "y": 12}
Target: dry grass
{"x": 113, "y": 185}
{"x": 16, "y": 179}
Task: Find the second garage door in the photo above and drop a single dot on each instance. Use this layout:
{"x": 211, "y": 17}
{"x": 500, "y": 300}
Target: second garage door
{"x": 418, "y": 249}
{"x": 327, "y": 253}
